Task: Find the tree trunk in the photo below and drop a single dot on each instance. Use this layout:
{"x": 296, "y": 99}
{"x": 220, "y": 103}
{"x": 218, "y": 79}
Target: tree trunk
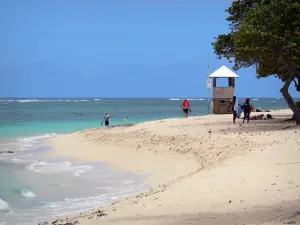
{"x": 285, "y": 93}
{"x": 298, "y": 106}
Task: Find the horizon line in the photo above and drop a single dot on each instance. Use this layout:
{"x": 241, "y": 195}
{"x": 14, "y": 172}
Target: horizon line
{"x": 128, "y": 97}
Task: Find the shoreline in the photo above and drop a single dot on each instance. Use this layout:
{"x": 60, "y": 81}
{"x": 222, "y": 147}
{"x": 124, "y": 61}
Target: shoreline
{"x": 37, "y": 162}
{"x": 178, "y": 154}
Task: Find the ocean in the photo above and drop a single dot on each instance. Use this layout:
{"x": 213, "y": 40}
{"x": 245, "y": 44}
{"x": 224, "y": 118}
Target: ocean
{"x": 35, "y": 188}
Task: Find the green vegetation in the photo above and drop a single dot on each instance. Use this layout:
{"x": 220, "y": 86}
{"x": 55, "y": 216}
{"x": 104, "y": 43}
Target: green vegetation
{"x": 265, "y": 34}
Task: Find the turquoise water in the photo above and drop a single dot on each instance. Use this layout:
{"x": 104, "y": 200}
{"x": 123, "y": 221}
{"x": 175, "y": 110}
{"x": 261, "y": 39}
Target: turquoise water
{"x": 27, "y": 117}
{"x": 34, "y": 188}
{"x": 39, "y": 116}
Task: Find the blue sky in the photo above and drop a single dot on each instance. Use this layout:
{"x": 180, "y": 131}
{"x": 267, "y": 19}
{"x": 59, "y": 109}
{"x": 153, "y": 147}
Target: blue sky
{"x": 115, "y": 48}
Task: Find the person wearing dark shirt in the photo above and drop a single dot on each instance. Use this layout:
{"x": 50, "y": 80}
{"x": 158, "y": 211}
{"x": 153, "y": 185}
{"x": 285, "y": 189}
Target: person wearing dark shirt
{"x": 246, "y": 109}
{"x": 106, "y": 119}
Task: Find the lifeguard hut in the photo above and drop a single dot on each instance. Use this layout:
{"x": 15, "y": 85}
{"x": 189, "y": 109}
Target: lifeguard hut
{"x": 222, "y": 95}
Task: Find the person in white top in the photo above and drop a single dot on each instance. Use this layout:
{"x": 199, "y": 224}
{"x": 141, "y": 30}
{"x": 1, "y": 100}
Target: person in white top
{"x": 234, "y": 105}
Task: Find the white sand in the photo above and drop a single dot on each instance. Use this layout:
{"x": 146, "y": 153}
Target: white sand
{"x": 204, "y": 170}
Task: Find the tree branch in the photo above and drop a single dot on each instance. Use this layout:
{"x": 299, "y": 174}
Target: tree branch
{"x": 285, "y": 93}
{"x": 287, "y": 83}
{"x": 297, "y": 84}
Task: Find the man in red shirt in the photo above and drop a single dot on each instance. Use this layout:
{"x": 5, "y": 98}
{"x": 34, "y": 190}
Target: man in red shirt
{"x": 186, "y": 107}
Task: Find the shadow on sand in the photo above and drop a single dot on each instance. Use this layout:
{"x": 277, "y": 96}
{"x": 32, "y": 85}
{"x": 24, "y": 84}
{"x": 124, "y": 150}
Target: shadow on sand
{"x": 285, "y": 213}
{"x": 260, "y": 125}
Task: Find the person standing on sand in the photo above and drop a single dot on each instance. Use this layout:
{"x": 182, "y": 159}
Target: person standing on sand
{"x": 106, "y": 119}
{"x": 234, "y": 105}
{"x": 247, "y": 109}
{"x": 186, "y": 107}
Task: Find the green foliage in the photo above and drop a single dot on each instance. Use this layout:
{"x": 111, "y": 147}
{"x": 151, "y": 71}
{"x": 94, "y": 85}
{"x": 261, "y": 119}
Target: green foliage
{"x": 238, "y": 11}
{"x": 264, "y": 34}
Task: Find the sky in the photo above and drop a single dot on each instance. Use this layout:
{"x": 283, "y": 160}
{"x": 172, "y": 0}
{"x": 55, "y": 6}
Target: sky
{"x": 115, "y": 48}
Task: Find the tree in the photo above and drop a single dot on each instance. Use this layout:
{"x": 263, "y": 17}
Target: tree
{"x": 265, "y": 34}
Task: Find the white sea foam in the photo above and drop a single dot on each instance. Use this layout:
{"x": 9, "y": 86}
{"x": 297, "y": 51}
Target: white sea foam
{"x": 195, "y": 99}
{"x": 28, "y": 100}
{"x": 255, "y": 99}
{"x": 47, "y": 100}
{"x": 190, "y": 99}
{"x": 16, "y": 161}
{"x": 27, "y": 193}
{"x": 6, "y": 153}
{"x": 126, "y": 182}
{"x": 32, "y": 139}
{"x": 22, "y": 161}
{"x": 81, "y": 169}
{"x": 4, "y": 205}
{"x": 45, "y": 177}
{"x": 44, "y": 167}
{"x": 80, "y": 100}
{"x": 272, "y": 101}
{"x": 25, "y": 143}
{"x": 79, "y": 204}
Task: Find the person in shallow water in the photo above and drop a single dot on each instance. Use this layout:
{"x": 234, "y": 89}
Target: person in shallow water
{"x": 106, "y": 119}
{"x": 186, "y": 107}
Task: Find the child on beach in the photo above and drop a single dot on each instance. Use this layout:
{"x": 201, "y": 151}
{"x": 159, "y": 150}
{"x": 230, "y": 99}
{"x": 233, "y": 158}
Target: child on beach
{"x": 247, "y": 109}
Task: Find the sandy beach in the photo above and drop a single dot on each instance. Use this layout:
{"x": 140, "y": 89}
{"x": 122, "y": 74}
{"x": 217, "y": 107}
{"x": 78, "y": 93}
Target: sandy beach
{"x": 202, "y": 170}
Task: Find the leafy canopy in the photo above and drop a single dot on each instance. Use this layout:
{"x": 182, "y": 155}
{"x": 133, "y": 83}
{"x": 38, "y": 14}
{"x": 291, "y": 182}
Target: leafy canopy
{"x": 265, "y": 34}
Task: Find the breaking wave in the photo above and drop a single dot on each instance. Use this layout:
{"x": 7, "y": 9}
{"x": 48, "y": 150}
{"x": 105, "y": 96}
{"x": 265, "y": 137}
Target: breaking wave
{"x": 47, "y": 100}
{"x": 27, "y": 193}
{"x": 4, "y": 205}
{"x": 190, "y": 99}
{"x": 44, "y": 167}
